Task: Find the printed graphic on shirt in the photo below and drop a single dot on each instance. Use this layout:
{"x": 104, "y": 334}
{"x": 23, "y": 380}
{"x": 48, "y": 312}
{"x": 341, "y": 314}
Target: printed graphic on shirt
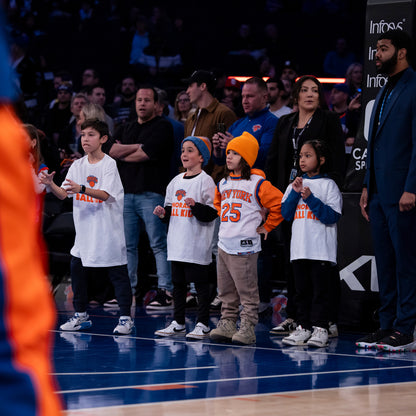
{"x": 246, "y": 243}
{"x": 86, "y": 198}
{"x": 92, "y": 181}
{"x": 256, "y": 127}
{"x": 303, "y": 211}
{"x": 180, "y": 209}
{"x": 180, "y": 193}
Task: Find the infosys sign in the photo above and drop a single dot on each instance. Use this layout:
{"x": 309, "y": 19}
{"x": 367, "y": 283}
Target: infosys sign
{"x": 381, "y": 16}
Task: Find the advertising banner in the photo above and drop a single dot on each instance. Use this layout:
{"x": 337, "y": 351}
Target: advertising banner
{"x": 381, "y": 16}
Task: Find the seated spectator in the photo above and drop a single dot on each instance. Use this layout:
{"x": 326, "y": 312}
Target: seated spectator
{"x": 232, "y": 96}
{"x": 90, "y": 78}
{"x": 140, "y": 40}
{"x": 70, "y": 139}
{"x": 183, "y": 106}
{"x": 276, "y": 101}
{"x": 123, "y": 108}
{"x": 96, "y": 95}
{"x": 57, "y": 117}
{"x": 354, "y": 78}
{"x": 337, "y": 61}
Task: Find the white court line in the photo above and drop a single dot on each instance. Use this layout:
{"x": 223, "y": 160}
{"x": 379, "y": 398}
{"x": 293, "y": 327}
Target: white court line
{"x": 233, "y": 379}
{"x": 256, "y": 395}
{"x": 225, "y": 345}
{"x": 162, "y": 370}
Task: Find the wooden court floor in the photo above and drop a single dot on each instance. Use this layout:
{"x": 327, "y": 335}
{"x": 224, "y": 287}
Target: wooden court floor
{"x": 101, "y": 374}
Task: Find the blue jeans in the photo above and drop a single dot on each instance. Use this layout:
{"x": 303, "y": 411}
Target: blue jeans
{"x": 141, "y": 206}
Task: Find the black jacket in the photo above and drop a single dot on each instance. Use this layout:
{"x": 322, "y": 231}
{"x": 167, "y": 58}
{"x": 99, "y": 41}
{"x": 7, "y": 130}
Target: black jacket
{"x": 325, "y": 126}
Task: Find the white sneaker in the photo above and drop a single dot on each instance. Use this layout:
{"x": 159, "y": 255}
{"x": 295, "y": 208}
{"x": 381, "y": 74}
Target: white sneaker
{"x": 298, "y": 337}
{"x": 332, "y": 330}
{"x": 200, "y": 331}
{"x": 173, "y": 329}
{"x": 77, "y": 322}
{"x": 319, "y": 338}
{"x": 125, "y": 326}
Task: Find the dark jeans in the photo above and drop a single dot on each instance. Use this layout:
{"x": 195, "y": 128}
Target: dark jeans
{"x": 118, "y": 276}
{"x": 182, "y": 274}
{"x": 312, "y": 282}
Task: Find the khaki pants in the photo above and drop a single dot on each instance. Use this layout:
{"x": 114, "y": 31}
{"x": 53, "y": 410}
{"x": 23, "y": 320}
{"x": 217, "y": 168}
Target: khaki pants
{"x": 237, "y": 283}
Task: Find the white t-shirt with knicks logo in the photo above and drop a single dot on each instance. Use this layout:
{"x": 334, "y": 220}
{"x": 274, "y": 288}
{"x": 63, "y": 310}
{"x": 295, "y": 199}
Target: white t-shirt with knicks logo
{"x": 99, "y": 226}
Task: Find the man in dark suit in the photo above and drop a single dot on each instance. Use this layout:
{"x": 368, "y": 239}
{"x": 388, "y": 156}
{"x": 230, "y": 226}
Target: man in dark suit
{"x": 389, "y": 193}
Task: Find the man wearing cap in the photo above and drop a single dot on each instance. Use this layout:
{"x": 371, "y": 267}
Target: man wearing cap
{"x": 209, "y": 113}
{"x": 339, "y": 104}
{"x": 258, "y": 121}
{"x": 276, "y": 89}
{"x": 58, "y": 117}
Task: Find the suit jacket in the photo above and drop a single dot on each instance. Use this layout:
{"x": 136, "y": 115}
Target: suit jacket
{"x": 391, "y": 152}
{"x": 325, "y": 125}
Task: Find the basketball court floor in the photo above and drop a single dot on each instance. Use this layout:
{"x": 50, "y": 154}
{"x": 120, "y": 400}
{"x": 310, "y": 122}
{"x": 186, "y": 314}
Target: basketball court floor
{"x": 140, "y": 374}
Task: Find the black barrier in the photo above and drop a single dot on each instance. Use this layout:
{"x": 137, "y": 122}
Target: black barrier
{"x": 359, "y": 289}
{"x": 381, "y": 16}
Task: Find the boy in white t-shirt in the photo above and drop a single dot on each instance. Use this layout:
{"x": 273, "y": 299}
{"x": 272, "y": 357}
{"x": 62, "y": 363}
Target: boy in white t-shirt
{"x": 99, "y": 230}
{"x": 190, "y": 210}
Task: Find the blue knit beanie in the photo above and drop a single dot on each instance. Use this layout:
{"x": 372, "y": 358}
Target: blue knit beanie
{"x": 203, "y": 144}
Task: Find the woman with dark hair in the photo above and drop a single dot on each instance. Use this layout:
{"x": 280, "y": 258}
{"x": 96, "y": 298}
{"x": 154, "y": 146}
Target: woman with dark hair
{"x": 311, "y": 121}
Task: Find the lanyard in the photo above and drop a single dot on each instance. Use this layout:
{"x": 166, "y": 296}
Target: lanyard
{"x": 386, "y": 99}
{"x": 295, "y": 140}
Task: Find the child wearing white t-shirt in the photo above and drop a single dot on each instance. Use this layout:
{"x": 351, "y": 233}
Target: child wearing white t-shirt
{"x": 99, "y": 230}
{"x": 190, "y": 211}
{"x": 314, "y": 203}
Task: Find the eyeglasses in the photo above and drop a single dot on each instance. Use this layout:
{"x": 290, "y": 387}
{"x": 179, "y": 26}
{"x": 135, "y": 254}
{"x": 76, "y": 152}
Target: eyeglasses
{"x": 183, "y": 100}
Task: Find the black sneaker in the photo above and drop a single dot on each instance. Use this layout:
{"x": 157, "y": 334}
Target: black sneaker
{"x": 162, "y": 301}
{"x": 284, "y": 328}
{"x": 371, "y": 340}
{"x": 397, "y": 342}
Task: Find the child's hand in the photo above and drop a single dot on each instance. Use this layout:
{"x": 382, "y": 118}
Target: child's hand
{"x": 262, "y": 230}
{"x": 159, "y": 211}
{"x": 71, "y": 187}
{"x": 264, "y": 213}
{"x": 297, "y": 184}
{"x": 305, "y": 192}
{"x": 190, "y": 202}
{"x": 46, "y": 178}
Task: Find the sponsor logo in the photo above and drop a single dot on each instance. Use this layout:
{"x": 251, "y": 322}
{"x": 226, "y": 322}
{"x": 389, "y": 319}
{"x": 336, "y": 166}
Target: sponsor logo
{"x": 360, "y": 158}
{"x": 246, "y": 243}
{"x": 377, "y": 81}
{"x": 382, "y": 26}
{"x": 92, "y": 181}
{"x": 348, "y": 276}
{"x": 180, "y": 193}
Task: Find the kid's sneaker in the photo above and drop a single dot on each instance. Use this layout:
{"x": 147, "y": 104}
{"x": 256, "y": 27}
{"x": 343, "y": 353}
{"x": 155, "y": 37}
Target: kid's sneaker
{"x": 200, "y": 331}
{"x": 162, "y": 301}
{"x": 298, "y": 337}
{"x": 125, "y": 326}
{"x": 173, "y": 329}
{"x": 319, "y": 338}
{"x": 286, "y": 327}
{"x": 77, "y": 322}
